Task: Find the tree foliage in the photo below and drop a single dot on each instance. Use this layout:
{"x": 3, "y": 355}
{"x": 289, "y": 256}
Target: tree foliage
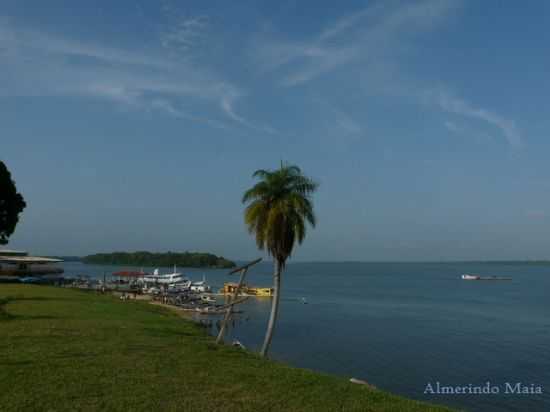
{"x": 279, "y": 208}
{"x": 143, "y": 258}
{"x": 11, "y": 204}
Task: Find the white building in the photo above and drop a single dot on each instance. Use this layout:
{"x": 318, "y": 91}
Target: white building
{"x": 19, "y": 263}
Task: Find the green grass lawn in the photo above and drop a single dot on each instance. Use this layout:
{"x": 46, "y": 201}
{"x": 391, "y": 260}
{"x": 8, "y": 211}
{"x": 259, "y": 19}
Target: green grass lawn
{"x": 68, "y": 350}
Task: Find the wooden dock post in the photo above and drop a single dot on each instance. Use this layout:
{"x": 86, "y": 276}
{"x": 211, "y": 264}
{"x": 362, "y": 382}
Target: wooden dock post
{"x": 233, "y": 299}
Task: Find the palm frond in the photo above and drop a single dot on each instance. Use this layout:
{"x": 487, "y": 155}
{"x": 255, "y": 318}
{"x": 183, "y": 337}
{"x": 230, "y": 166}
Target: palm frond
{"x": 259, "y": 190}
{"x": 262, "y": 173}
{"x": 279, "y": 207}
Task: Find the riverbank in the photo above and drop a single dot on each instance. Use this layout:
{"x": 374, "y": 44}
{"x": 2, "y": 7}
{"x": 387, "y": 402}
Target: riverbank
{"x": 65, "y": 349}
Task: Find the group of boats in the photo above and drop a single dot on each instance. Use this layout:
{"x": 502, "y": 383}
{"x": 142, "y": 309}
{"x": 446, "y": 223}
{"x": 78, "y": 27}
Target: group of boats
{"x": 170, "y": 288}
{"x": 175, "y": 281}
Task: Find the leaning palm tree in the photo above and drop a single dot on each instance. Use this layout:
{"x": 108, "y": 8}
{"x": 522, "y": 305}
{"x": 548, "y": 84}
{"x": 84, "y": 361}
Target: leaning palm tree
{"x": 279, "y": 208}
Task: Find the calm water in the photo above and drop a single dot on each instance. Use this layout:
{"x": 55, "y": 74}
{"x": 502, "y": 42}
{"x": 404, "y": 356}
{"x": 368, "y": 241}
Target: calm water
{"x": 401, "y": 326}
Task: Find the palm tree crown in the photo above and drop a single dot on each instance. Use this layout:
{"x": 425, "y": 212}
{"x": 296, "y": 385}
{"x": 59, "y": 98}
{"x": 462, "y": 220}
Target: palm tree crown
{"x": 278, "y": 210}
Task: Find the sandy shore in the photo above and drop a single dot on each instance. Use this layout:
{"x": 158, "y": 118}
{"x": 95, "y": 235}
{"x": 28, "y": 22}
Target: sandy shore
{"x": 181, "y": 313}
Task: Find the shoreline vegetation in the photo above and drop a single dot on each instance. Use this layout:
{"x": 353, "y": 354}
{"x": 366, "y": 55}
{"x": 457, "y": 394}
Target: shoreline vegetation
{"x": 144, "y": 258}
{"x": 95, "y": 352}
{"x": 435, "y": 262}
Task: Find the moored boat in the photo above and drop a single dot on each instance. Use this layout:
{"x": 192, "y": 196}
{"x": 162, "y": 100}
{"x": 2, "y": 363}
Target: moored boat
{"x": 477, "y": 277}
{"x": 200, "y": 286}
{"x": 166, "y": 279}
{"x": 208, "y": 299}
{"x": 238, "y": 344}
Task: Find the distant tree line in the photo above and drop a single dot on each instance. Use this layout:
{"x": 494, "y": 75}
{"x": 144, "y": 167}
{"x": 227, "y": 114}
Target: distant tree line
{"x": 142, "y": 258}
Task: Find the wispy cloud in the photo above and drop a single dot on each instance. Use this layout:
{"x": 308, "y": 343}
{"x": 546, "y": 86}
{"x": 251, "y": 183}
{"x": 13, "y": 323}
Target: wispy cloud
{"x": 185, "y": 34}
{"x": 167, "y": 106}
{"x": 372, "y": 39}
{"x": 39, "y": 64}
{"x": 452, "y": 127}
{"x": 466, "y": 131}
{"x": 455, "y": 105}
{"x": 341, "y": 123}
{"x": 362, "y": 36}
{"x": 227, "y": 103}
{"x": 345, "y": 23}
{"x": 34, "y": 45}
{"x": 368, "y": 43}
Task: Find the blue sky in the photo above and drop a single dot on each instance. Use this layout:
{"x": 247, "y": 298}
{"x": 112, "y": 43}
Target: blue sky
{"x": 137, "y": 125}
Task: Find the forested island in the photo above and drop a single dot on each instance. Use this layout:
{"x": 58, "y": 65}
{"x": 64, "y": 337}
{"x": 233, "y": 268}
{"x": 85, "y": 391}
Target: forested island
{"x": 142, "y": 258}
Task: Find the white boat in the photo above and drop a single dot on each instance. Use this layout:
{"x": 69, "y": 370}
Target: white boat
{"x": 167, "y": 279}
{"x": 238, "y": 344}
{"x": 208, "y": 298}
{"x": 151, "y": 291}
{"x": 201, "y": 286}
{"x": 477, "y": 277}
{"x": 180, "y": 287}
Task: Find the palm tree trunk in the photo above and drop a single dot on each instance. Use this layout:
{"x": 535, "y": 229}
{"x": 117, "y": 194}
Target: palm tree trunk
{"x": 274, "y": 308}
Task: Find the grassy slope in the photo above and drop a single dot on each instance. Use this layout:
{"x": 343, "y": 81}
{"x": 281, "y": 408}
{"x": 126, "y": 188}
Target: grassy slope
{"x": 69, "y": 350}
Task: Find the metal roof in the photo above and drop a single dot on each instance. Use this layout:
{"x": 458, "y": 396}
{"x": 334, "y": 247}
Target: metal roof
{"x": 7, "y": 252}
{"x": 27, "y": 259}
{"x": 130, "y": 274}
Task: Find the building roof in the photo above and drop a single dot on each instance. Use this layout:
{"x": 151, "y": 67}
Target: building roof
{"x": 130, "y": 274}
{"x": 7, "y": 252}
{"x": 26, "y": 259}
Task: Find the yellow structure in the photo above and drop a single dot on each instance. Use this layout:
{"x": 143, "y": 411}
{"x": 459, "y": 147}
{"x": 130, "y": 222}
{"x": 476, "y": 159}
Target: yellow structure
{"x": 261, "y": 291}
{"x": 230, "y": 287}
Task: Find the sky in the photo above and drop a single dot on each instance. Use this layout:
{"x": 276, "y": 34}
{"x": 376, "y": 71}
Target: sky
{"x": 134, "y": 125}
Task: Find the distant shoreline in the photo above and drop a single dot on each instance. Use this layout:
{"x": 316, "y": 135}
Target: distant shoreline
{"x": 395, "y": 262}
{"x": 144, "y": 258}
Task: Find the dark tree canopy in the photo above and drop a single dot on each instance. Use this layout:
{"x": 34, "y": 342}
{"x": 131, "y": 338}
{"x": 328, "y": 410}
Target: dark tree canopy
{"x": 143, "y": 258}
{"x": 11, "y": 204}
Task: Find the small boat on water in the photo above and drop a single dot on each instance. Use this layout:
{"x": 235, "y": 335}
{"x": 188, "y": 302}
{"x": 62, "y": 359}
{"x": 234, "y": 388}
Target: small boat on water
{"x": 151, "y": 291}
{"x": 167, "y": 279}
{"x": 29, "y": 279}
{"x": 208, "y": 299}
{"x": 238, "y": 344}
{"x": 200, "y": 286}
{"x": 179, "y": 287}
{"x": 477, "y": 277}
